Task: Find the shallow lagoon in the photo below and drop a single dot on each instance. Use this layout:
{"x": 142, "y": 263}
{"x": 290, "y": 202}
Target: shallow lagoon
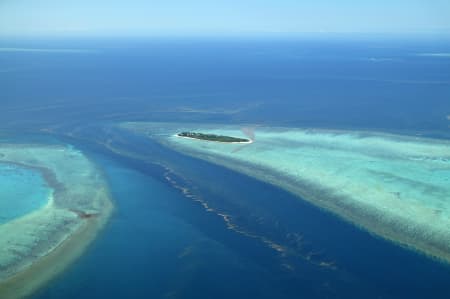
{"x": 43, "y": 241}
{"x": 21, "y": 191}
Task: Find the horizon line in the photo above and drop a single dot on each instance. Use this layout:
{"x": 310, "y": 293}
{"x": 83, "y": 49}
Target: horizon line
{"x": 215, "y": 35}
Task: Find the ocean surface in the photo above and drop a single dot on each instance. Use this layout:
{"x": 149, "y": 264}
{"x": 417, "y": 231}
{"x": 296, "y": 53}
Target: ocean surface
{"x": 168, "y": 237}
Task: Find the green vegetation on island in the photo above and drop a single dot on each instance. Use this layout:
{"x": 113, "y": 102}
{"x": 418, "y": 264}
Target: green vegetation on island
{"x": 211, "y": 137}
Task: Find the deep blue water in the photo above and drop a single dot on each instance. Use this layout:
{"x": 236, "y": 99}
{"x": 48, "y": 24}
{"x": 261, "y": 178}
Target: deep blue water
{"x": 161, "y": 243}
{"x": 220, "y": 262}
{"x": 150, "y": 251}
{"x": 329, "y": 82}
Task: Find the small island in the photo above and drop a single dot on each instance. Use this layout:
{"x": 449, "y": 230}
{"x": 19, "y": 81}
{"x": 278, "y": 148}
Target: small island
{"x": 213, "y": 137}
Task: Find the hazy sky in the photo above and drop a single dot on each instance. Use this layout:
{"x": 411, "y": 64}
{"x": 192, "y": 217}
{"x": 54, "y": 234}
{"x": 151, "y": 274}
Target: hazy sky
{"x": 147, "y": 17}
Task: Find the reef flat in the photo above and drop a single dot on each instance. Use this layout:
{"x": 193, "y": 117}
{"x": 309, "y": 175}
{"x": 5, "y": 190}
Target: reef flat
{"x": 394, "y": 186}
{"x": 40, "y": 244}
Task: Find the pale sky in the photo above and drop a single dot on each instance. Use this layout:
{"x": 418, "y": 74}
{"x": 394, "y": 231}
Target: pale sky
{"x": 186, "y": 17}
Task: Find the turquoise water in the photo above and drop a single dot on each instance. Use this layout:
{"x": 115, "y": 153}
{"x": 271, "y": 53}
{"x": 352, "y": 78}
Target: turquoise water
{"x": 400, "y": 185}
{"x": 22, "y": 191}
{"x": 161, "y": 244}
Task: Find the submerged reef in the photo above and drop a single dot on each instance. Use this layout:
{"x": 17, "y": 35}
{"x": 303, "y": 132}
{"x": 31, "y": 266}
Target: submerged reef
{"x": 395, "y": 186}
{"x": 38, "y": 245}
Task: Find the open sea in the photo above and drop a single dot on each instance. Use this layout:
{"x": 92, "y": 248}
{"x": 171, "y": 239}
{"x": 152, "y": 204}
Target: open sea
{"x": 168, "y": 237}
